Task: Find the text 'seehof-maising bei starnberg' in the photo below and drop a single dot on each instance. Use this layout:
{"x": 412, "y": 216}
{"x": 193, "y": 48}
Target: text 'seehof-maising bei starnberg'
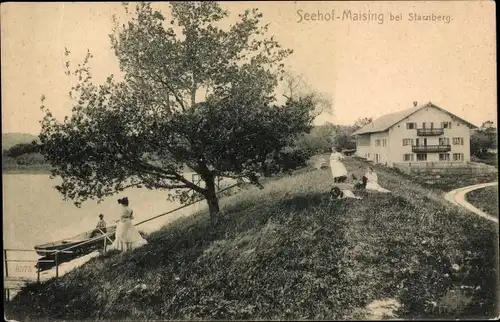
{"x": 370, "y": 16}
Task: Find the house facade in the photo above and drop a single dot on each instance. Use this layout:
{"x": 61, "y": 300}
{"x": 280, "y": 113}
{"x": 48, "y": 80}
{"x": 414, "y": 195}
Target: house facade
{"x": 425, "y": 133}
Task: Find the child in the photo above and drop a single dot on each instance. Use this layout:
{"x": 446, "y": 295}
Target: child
{"x": 361, "y": 185}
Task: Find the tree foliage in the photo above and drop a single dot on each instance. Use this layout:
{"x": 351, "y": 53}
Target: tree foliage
{"x": 483, "y": 139}
{"x": 342, "y": 135}
{"x": 319, "y": 140}
{"x": 362, "y": 121}
{"x": 143, "y": 130}
{"x": 295, "y": 86}
{"x": 322, "y": 138}
{"x": 343, "y": 138}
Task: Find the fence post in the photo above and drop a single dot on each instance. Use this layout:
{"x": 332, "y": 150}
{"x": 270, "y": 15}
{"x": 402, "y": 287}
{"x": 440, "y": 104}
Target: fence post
{"x": 38, "y": 273}
{"x": 105, "y": 243}
{"x": 57, "y": 264}
{"x": 5, "y": 261}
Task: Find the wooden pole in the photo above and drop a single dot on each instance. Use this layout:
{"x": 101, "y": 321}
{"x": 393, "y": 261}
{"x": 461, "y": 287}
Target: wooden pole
{"x": 5, "y": 261}
{"x": 38, "y": 274}
{"x": 104, "y": 248}
{"x": 57, "y": 265}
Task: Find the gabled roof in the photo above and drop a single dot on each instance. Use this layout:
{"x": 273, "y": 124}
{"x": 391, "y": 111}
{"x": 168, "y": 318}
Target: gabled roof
{"x": 384, "y": 122}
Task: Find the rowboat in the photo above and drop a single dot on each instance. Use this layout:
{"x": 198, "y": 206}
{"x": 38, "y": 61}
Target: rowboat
{"x": 90, "y": 238}
{"x": 79, "y": 245}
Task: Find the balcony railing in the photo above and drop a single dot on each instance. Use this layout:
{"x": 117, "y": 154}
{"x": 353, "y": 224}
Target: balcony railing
{"x": 430, "y": 132}
{"x": 430, "y": 148}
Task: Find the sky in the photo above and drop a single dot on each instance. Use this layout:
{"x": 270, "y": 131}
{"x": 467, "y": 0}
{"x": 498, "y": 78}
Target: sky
{"x": 369, "y": 67}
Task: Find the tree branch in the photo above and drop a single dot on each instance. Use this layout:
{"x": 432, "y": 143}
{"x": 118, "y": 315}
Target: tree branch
{"x": 169, "y": 87}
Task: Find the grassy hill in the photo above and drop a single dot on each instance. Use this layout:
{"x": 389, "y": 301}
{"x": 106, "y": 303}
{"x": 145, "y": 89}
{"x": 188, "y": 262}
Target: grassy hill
{"x": 11, "y": 139}
{"x": 287, "y": 252}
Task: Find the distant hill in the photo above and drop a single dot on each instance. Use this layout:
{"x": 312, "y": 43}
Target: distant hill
{"x": 11, "y": 139}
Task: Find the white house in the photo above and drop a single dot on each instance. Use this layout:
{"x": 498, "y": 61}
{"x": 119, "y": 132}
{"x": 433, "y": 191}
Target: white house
{"x": 423, "y": 133}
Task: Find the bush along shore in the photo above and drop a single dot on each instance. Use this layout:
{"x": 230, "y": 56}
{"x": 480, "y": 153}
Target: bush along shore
{"x": 287, "y": 252}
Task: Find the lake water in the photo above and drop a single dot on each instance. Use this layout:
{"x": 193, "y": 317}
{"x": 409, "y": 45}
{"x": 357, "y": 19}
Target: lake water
{"x": 35, "y": 213}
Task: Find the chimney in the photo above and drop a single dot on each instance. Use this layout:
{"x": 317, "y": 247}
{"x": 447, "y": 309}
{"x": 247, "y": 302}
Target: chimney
{"x": 415, "y": 103}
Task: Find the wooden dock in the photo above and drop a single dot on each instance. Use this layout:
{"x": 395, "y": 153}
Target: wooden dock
{"x": 15, "y": 283}
{"x": 12, "y": 285}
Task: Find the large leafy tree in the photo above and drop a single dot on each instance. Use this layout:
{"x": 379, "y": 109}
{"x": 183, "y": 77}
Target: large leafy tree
{"x": 143, "y": 130}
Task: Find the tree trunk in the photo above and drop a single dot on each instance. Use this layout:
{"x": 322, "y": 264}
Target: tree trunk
{"x": 211, "y": 196}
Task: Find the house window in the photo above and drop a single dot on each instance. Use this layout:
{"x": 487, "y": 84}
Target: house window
{"x": 407, "y": 142}
{"x": 446, "y": 125}
{"x": 420, "y": 142}
{"x": 384, "y": 142}
{"x": 444, "y": 157}
{"x": 458, "y": 156}
{"x": 444, "y": 141}
{"x": 458, "y": 141}
{"x": 423, "y": 125}
{"x": 421, "y": 156}
{"x": 411, "y": 126}
{"x": 408, "y": 157}
{"x": 377, "y": 142}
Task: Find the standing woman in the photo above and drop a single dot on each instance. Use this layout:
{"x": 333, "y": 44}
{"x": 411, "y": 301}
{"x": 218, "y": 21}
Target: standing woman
{"x": 126, "y": 236}
{"x": 337, "y": 168}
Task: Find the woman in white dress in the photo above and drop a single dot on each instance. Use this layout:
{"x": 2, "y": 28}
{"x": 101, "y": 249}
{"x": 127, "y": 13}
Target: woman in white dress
{"x": 337, "y": 168}
{"x": 126, "y": 236}
{"x": 372, "y": 181}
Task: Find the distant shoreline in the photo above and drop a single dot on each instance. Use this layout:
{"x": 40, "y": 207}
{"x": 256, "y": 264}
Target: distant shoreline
{"x": 27, "y": 169}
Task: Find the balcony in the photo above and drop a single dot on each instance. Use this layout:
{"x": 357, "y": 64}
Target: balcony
{"x": 430, "y": 148}
{"x": 430, "y": 132}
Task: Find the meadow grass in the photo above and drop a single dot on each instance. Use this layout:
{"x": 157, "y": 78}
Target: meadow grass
{"x": 288, "y": 252}
{"x": 485, "y": 199}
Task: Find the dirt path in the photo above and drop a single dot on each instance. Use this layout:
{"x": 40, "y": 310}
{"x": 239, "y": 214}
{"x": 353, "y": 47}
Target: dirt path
{"x": 457, "y": 197}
